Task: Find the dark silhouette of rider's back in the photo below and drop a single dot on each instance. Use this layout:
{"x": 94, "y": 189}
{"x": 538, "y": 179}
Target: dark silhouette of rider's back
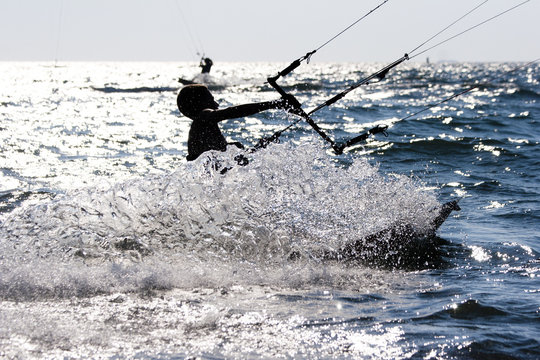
{"x": 206, "y": 65}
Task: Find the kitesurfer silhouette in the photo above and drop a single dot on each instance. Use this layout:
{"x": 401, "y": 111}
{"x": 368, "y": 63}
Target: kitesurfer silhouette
{"x": 206, "y": 65}
{"x": 197, "y": 103}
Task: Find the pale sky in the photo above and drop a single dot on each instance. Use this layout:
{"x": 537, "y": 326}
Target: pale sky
{"x": 273, "y": 30}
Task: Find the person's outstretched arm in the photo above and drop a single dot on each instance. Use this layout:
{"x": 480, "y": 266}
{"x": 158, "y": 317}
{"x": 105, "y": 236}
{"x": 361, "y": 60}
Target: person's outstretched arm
{"x": 244, "y": 110}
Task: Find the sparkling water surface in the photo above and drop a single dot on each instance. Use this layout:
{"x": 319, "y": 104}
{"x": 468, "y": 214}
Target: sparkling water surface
{"x": 113, "y": 246}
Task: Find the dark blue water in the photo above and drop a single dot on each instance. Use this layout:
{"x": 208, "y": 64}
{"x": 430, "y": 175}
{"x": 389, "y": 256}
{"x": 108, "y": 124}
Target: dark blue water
{"x": 112, "y": 244}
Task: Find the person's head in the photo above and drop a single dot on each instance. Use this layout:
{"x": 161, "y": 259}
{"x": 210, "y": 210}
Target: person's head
{"x": 193, "y": 99}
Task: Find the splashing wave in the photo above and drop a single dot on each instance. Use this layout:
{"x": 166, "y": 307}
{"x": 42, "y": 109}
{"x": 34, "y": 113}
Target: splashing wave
{"x": 291, "y": 198}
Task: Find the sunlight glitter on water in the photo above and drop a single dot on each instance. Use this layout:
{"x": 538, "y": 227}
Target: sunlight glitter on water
{"x": 479, "y": 254}
{"x": 116, "y": 245}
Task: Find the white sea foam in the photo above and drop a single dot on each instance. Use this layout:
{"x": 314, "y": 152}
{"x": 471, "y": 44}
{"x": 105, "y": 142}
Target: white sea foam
{"x": 291, "y": 198}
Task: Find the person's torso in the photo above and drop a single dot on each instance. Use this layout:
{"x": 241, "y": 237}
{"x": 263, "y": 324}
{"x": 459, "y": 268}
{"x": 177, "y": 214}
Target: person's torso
{"x": 203, "y": 137}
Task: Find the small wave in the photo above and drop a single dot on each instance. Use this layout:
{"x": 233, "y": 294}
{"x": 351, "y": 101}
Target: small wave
{"x": 430, "y": 146}
{"x": 520, "y": 94}
{"x": 526, "y": 217}
{"x": 472, "y": 309}
{"x": 508, "y": 257}
{"x": 468, "y": 310}
{"x": 508, "y": 348}
{"x": 111, "y": 89}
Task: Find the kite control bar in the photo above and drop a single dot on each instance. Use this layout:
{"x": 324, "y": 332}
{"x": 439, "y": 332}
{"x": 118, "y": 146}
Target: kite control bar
{"x": 295, "y": 108}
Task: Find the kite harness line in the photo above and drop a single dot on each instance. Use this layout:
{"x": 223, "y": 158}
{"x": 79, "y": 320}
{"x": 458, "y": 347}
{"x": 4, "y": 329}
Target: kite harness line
{"x": 295, "y": 107}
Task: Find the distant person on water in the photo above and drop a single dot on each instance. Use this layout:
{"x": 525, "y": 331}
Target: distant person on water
{"x": 197, "y": 103}
{"x": 206, "y": 65}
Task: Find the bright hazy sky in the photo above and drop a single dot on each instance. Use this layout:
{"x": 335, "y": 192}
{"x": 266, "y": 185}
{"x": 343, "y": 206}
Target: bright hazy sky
{"x": 271, "y": 30}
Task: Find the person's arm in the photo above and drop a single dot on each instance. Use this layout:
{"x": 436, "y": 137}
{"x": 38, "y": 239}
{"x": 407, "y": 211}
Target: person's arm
{"x": 244, "y": 110}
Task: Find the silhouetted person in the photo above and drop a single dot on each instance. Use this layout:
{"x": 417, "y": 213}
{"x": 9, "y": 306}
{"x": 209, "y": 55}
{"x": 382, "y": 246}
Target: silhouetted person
{"x": 206, "y": 65}
{"x": 197, "y": 103}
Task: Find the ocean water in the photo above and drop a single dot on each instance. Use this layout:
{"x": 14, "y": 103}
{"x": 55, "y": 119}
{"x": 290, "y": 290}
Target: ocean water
{"x": 114, "y": 247}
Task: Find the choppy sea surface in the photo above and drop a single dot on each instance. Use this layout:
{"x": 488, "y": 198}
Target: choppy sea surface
{"x": 113, "y": 246}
